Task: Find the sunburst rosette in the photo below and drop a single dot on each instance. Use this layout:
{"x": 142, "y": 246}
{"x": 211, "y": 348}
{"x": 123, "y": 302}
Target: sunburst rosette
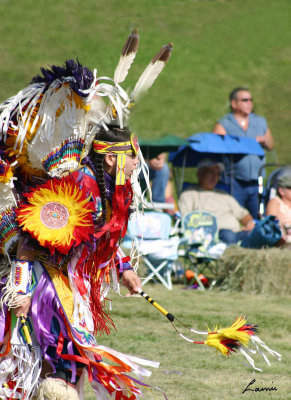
{"x": 58, "y": 214}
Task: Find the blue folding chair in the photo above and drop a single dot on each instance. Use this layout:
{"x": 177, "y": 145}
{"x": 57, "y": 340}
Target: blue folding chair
{"x": 151, "y": 234}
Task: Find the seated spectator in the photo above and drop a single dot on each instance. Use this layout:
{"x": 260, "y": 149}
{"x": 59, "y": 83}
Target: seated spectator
{"x": 233, "y": 221}
{"x": 159, "y": 175}
{"x": 170, "y": 198}
{"x": 280, "y": 206}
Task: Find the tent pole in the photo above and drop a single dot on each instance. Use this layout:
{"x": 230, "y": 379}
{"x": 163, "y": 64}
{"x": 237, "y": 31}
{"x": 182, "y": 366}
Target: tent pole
{"x": 148, "y": 154}
{"x": 231, "y": 174}
{"x": 183, "y": 173}
{"x": 174, "y": 173}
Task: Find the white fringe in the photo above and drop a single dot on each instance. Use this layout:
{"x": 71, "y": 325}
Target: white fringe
{"x": 10, "y": 296}
{"x": 22, "y": 367}
{"x": 257, "y": 344}
{"x": 9, "y": 293}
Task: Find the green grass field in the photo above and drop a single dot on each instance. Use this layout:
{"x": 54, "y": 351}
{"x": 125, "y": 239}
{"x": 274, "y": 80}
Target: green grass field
{"x": 218, "y": 45}
{"x": 194, "y": 372}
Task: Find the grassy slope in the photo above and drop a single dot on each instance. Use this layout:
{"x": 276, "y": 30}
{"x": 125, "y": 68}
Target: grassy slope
{"x": 217, "y": 45}
{"x": 192, "y": 372}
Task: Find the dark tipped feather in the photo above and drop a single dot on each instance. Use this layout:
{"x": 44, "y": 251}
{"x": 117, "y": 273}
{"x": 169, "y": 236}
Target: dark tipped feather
{"x": 152, "y": 71}
{"x": 127, "y": 56}
{"x": 164, "y": 54}
{"x": 132, "y": 42}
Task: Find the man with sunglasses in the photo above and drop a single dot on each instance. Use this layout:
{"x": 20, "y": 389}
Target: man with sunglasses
{"x": 241, "y": 121}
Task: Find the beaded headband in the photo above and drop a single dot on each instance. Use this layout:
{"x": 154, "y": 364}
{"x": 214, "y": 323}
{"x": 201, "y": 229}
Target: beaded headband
{"x": 120, "y": 149}
{"x": 129, "y": 147}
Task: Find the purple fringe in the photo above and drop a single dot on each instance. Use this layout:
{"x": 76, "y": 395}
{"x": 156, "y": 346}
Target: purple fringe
{"x": 2, "y": 314}
{"x": 45, "y": 306}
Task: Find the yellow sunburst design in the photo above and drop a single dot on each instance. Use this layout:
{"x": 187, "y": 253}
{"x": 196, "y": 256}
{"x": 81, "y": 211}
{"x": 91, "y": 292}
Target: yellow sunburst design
{"x": 58, "y": 215}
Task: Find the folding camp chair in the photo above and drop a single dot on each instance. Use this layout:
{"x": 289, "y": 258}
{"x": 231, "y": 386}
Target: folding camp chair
{"x": 200, "y": 238}
{"x": 151, "y": 233}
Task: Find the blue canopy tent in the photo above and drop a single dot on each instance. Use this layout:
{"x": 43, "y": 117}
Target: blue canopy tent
{"x": 153, "y": 147}
{"x": 203, "y": 145}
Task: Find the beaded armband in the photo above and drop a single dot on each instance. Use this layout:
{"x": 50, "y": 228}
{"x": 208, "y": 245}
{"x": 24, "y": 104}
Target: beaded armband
{"x": 123, "y": 262}
{"x": 22, "y": 276}
{"x": 124, "y": 266}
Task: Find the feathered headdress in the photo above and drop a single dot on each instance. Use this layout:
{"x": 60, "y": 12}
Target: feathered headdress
{"x": 48, "y": 127}
{"x": 50, "y": 124}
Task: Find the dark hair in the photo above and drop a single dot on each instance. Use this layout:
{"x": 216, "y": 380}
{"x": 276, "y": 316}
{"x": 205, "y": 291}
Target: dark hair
{"x": 233, "y": 94}
{"x": 96, "y": 161}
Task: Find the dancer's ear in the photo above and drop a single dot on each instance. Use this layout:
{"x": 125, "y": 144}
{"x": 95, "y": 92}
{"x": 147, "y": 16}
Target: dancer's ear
{"x": 110, "y": 164}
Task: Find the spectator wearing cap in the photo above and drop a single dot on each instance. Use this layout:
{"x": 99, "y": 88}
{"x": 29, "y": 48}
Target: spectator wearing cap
{"x": 242, "y": 121}
{"x": 280, "y": 206}
{"x": 233, "y": 221}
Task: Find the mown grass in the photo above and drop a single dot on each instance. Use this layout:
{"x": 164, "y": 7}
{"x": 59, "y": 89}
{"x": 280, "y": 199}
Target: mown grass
{"x": 192, "y": 372}
{"x": 217, "y": 45}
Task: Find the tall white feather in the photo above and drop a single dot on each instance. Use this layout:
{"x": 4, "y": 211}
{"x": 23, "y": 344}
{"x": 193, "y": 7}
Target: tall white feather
{"x": 152, "y": 71}
{"x": 127, "y": 56}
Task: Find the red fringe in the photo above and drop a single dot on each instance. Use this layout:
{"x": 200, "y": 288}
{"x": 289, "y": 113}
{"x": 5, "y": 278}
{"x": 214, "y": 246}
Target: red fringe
{"x": 108, "y": 238}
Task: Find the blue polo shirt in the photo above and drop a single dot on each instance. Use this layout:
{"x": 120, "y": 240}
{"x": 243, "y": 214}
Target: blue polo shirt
{"x": 245, "y": 168}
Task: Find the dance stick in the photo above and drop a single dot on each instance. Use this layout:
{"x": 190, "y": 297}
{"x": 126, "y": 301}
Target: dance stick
{"x": 26, "y": 332}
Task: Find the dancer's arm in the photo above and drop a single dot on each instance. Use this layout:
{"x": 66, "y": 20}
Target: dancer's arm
{"x": 23, "y": 300}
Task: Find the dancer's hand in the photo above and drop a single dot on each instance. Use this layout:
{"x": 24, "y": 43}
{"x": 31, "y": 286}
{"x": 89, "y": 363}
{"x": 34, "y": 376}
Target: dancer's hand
{"x": 23, "y": 305}
{"x": 131, "y": 281}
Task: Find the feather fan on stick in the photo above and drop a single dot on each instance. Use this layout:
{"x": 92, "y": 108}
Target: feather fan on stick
{"x": 152, "y": 71}
{"x": 236, "y": 337}
{"x": 127, "y": 56}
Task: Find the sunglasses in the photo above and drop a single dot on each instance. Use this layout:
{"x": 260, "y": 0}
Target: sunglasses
{"x": 245, "y": 100}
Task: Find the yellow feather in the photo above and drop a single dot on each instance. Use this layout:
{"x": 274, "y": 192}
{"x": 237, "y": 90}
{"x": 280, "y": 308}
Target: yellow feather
{"x": 6, "y": 178}
{"x": 214, "y": 340}
{"x": 232, "y": 332}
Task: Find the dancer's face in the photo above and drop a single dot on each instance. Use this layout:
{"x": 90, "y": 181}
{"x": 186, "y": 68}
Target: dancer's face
{"x": 131, "y": 164}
